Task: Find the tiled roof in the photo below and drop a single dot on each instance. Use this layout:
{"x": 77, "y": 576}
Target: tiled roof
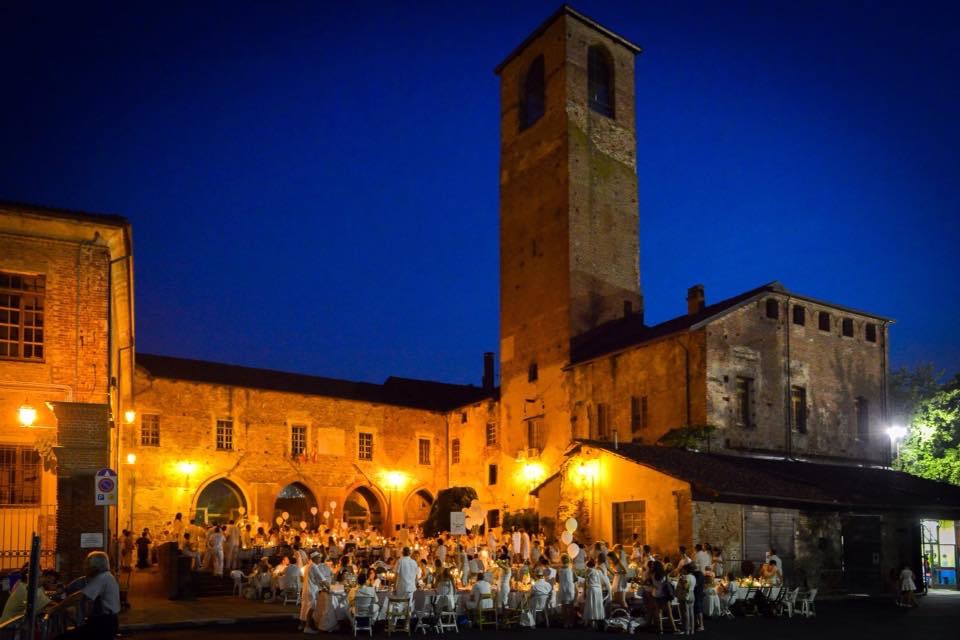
{"x": 404, "y": 392}
{"x": 66, "y": 214}
{"x": 729, "y": 478}
{"x": 631, "y": 331}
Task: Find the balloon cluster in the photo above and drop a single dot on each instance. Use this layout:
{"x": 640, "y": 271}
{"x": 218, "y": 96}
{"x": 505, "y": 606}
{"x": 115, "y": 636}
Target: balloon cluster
{"x": 573, "y": 549}
{"x": 475, "y": 514}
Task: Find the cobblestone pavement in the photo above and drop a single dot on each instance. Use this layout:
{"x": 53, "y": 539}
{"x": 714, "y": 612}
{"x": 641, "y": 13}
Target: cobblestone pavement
{"x": 938, "y": 617}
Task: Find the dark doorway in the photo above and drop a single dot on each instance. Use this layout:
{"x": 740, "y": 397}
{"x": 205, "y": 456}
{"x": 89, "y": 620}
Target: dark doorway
{"x": 362, "y": 509}
{"x": 295, "y": 500}
{"x": 861, "y": 540}
{"x": 219, "y": 502}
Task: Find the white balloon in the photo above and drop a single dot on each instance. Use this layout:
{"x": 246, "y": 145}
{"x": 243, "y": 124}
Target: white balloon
{"x": 279, "y": 520}
{"x": 333, "y": 504}
{"x": 571, "y": 524}
{"x": 303, "y": 524}
{"x": 345, "y": 525}
{"x": 567, "y": 537}
{"x": 573, "y": 550}
{"x": 286, "y": 515}
{"x": 242, "y": 510}
{"x": 314, "y": 510}
{"x": 326, "y": 514}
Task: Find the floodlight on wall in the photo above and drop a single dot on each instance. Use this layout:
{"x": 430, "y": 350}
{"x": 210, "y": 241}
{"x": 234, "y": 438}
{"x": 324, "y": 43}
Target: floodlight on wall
{"x": 131, "y": 458}
{"x": 27, "y": 415}
{"x": 129, "y": 416}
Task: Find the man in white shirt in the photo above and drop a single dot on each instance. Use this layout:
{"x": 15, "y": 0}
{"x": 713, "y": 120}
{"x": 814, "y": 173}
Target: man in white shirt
{"x": 703, "y": 558}
{"x": 773, "y": 558}
{"x": 480, "y": 590}
{"x": 406, "y": 574}
{"x": 101, "y": 596}
{"x": 515, "y": 544}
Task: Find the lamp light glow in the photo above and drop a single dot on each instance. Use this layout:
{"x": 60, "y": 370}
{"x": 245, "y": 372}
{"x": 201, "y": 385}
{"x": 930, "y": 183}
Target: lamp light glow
{"x": 394, "y": 480}
{"x": 129, "y": 416}
{"x": 27, "y": 415}
{"x": 896, "y": 432}
{"x": 532, "y": 472}
{"x": 186, "y": 468}
{"x": 131, "y": 458}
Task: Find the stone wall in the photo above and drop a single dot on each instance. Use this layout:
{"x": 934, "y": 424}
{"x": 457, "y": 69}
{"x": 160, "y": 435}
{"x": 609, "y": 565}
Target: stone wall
{"x": 833, "y": 369}
{"x": 260, "y": 464}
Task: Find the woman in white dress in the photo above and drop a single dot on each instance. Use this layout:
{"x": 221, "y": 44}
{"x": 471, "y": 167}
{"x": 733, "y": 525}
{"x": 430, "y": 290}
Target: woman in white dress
{"x": 567, "y": 595}
{"x": 312, "y": 579}
{"x": 503, "y": 592}
{"x": 594, "y": 584}
{"x": 907, "y": 587}
{"x": 620, "y": 582}
{"x": 215, "y": 547}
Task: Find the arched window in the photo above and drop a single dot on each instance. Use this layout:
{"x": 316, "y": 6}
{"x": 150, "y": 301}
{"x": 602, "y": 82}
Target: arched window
{"x": 600, "y": 80}
{"x": 532, "y": 94}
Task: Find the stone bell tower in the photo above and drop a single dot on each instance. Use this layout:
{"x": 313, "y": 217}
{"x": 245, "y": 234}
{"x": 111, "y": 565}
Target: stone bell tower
{"x": 569, "y": 244}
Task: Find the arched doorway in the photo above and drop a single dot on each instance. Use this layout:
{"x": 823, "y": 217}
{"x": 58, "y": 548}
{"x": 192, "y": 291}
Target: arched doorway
{"x": 296, "y": 499}
{"x": 417, "y": 507}
{"x": 363, "y": 509}
{"x": 219, "y": 502}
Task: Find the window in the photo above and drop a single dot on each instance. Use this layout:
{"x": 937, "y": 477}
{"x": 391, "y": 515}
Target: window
{"x": 493, "y": 518}
{"x": 365, "y": 446}
{"x": 423, "y": 451}
{"x": 298, "y": 439}
{"x": 846, "y": 326}
{"x": 463, "y": 417}
{"x": 532, "y": 372}
{"x": 603, "y": 421}
{"x": 535, "y": 434}
{"x": 532, "y": 94}
{"x": 799, "y": 315}
{"x": 21, "y": 316}
{"x": 224, "y": 435}
{"x": 629, "y": 518}
{"x": 773, "y": 308}
{"x": 150, "y": 430}
{"x": 798, "y": 409}
{"x": 863, "y": 418}
{"x": 744, "y": 405}
{"x": 870, "y": 332}
{"x": 600, "y": 81}
{"x": 19, "y": 476}
{"x": 455, "y": 451}
{"x": 823, "y": 320}
{"x": 491, "y": 434}
{"x": 638, "y": 413}
{"x": 492, "y": 474}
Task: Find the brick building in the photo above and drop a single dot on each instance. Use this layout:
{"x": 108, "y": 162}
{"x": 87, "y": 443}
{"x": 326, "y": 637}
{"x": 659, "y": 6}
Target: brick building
{"x": 788, "y": 392}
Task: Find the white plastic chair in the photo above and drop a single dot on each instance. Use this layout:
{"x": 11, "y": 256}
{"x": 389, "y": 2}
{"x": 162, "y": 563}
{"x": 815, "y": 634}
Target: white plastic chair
{"x": 425, "y": 615}
{"x": 538, "y": 605}
{"x": 291, "y": 593}
{"x": 788, "y": 602}
{"x": 364, "y": 614}
{"x": 398, "y": 614}
{"x": 807, "y": 607}
{"x": 446, "y": 607}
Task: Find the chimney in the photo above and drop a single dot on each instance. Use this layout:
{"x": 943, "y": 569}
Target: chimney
{"x": 488, "y": 370}
{"x": 695, "y": 299}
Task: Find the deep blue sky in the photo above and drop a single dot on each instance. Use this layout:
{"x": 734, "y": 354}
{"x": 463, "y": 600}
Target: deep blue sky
{"x": 313, "y": 186}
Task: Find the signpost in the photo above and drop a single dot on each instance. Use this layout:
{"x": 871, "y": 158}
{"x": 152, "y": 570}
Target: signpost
{"x": 105, "y": 490}
{"x": 458, "y": 523}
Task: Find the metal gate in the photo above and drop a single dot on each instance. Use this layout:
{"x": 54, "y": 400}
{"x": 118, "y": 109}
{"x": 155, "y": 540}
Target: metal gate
{"x": 17, "y": 525}
{"x": 765, "y": 527}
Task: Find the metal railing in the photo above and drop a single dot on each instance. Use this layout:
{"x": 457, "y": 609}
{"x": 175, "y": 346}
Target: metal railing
{"x": 17, "y": 525}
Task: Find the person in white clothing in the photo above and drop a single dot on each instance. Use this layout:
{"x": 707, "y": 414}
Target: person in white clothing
{"x": 594, "y": 584}
{"x": 568, "y": 590}
{"x": 685, "y": 595}
{"x": 703, "y": 557}
{"x": 231, "y": 547}
{"x": 177, "y": 529}
{"x": 524, "y": 545}
{"x": 215, "y": 549}
{"x": 406, "y": 573}
{"x": 481, "y": 589}
{"x": 908, "y": 587}
{"x": 515, "y": 545}
{"x": 540, "y": 594}
{"x": 506, "y": 572}
{"x": 312, "y": 581}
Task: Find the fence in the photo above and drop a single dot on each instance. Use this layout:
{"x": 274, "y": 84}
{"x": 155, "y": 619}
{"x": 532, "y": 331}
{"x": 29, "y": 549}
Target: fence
{"x": 17, "y": 524}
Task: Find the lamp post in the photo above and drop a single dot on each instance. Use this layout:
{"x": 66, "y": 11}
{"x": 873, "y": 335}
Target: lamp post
{"x": 896, "y": 434}
{"x": 131, "y": 462}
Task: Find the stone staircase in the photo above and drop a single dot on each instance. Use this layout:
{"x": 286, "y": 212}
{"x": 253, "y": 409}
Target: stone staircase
{"x": 203, "y": 584}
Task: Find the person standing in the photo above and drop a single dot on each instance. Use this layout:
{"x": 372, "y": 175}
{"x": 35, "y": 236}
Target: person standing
{"x": 232, "y": 545}
{"x": 215, "y": 548}
{"x": 908, "y": 586}
{"x": 406, "y": 574}
{"x": 567, "y": 594}
{"x": 177, "y": 529}
{"x": 143, "y": 550}
{"x": 686, "y": 587}
{"x": 594, "y": 584}
{"x": 312, "y": 581}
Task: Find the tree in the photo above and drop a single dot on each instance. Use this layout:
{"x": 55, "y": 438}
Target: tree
{"x": 911, "y": 387}
{"x": 448, "y": 500}
{"x": 932, "y": 447}
{"x": 688, "y": 437}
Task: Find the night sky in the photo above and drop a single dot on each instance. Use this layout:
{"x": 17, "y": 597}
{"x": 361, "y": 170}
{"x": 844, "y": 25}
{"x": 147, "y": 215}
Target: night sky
{"x": 313, "y": 186}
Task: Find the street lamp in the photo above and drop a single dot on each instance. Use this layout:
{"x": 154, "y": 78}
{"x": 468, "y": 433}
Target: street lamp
{"x": 131, "y": 462}
{"x": 27, "y": 415}
{"x": 896, "y": 434}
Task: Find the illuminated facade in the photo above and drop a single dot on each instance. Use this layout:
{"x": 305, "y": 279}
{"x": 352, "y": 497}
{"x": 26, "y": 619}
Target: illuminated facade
{"x": 585, "y": 384}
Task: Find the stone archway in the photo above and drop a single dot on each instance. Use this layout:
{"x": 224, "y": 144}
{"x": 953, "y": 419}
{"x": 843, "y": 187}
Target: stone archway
{"x": 363, "y": 508}
{"x": 416, "y": 507}
{"x": 219, "y": 502}
{"x": 296, "y": 499}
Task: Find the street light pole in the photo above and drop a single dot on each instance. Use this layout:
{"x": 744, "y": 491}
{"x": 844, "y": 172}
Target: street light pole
{"x": 896, "y": 434}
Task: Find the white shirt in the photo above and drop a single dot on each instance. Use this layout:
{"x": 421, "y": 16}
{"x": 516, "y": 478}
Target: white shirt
{"x": 104, "y": 586}
{"x": 407, "y": 570}
{"x": 481, "y": 588}
{"x": 704, "y": 561}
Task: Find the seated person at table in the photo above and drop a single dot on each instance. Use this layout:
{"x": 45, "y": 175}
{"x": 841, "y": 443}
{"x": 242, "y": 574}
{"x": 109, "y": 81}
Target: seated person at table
{"x": 445, "y": 591}
{"x": 540, "y": 591}
{"x": 481, "y": 589}
{"x": 729, "y": 592}
{"x": 362, "y": 589}
{"x": 373, "y": 578}
{"x": 770, "y": 574}
{"x": 17, "y": 602}
{"x": 189, "y": 548}
{"x": 291, "y": 576}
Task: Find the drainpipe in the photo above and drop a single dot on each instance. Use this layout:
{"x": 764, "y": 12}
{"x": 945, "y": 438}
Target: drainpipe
{"x": 789, "y": 386}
